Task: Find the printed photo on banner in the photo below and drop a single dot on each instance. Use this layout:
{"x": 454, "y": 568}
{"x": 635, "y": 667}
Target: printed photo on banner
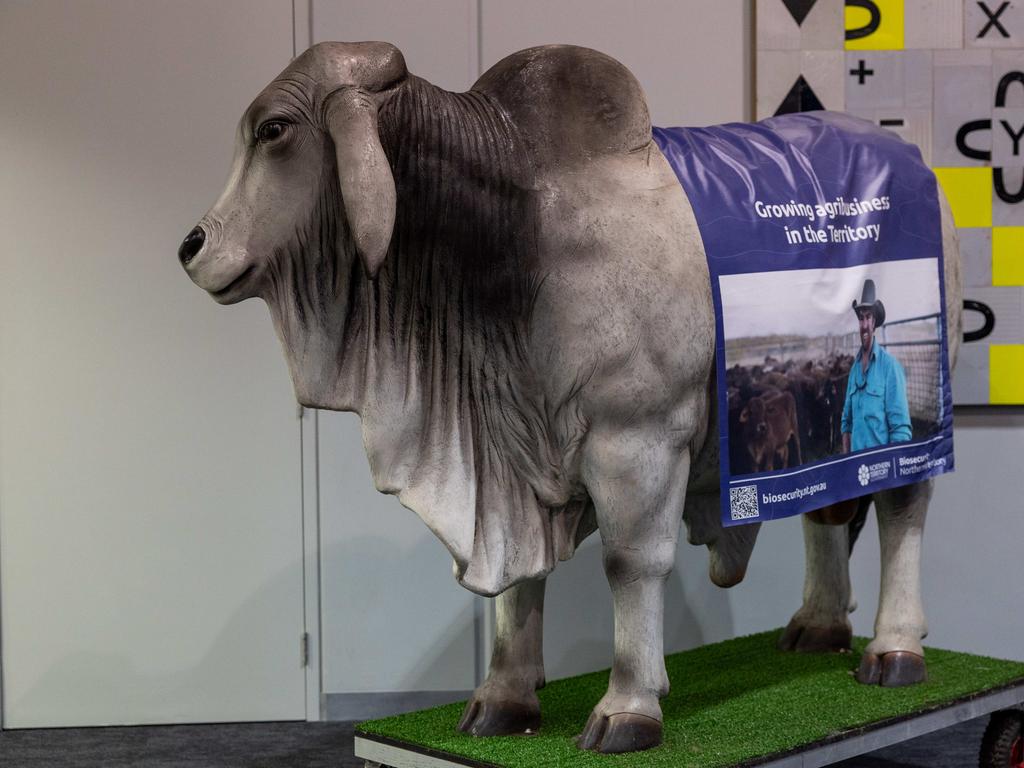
{"x": 826, "y": 362}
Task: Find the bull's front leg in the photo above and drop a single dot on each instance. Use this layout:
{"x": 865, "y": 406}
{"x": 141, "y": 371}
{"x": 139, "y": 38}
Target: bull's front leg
{"x": 638, "y": 484}
{"x": 822, "y": 623}
{"x": 506, "y": 702}
{"x": 895, "y": 657}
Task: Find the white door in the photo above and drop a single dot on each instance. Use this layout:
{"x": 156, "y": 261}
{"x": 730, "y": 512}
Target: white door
{"x": 150, "y": 485}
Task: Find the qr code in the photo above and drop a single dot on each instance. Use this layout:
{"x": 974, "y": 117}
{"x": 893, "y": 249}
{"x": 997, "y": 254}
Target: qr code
{"x": 743, "y": 502}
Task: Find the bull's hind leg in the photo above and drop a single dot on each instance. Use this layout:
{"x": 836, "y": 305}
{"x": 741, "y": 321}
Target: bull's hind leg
{"x": 638, "y": 485}
{"x": 506, "y": 702}
{"x": 822, "y": 623}
{"x": 895, "y": 656}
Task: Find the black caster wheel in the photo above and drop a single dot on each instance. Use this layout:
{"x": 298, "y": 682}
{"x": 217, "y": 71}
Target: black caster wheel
{"x": 1002, "y": 746}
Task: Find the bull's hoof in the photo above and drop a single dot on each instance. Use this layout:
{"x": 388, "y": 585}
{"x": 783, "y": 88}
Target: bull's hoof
{"x": 623, "y": 732}
{"x": 891, "y": 670}
{"x": 799, "y": 637}
{"x": 499, "y": 718}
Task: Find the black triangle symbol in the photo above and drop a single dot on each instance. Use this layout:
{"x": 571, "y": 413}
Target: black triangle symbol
{"x": 799, "y": 99}
{"x": 799, "y": 9}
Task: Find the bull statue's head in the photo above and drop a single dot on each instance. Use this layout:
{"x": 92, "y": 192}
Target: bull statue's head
{"x": 310, "y": 191}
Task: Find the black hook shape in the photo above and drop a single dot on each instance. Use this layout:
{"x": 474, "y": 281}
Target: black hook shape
{"x": 987, "y": 327}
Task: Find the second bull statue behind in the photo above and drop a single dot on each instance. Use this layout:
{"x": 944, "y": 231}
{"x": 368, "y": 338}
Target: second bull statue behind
{"x": 509, "y": 287}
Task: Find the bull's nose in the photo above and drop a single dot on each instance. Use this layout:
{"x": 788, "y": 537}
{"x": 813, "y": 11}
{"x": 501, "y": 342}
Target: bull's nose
{"x": 191, "y": 245}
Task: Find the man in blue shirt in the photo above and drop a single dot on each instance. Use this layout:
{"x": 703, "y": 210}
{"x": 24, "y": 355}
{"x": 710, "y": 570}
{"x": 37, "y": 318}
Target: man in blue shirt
{"x": 875, "y": 411}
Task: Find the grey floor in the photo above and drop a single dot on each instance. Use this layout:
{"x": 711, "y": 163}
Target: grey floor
{"x": 323, "y": 745}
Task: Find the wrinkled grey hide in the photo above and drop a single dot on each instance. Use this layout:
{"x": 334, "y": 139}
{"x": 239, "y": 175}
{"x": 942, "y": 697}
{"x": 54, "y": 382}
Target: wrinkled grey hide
{"x": 508, "y": 286}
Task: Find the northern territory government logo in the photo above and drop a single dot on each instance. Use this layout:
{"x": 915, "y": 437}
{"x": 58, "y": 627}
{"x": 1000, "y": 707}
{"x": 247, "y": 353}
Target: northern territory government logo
{"x": 869, "y": 472}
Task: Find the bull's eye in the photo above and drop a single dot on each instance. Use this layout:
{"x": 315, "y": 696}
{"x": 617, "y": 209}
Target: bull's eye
{"x": 270, "y": 131}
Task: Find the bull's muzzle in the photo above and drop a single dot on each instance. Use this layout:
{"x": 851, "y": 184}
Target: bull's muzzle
{"x": 191, "y": 245}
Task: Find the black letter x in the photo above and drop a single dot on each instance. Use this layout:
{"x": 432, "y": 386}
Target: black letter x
{"x": 993, "y": 18}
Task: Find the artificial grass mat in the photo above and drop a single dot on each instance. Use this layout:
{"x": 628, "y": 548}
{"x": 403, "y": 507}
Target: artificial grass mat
{"x": 730, "y": 702}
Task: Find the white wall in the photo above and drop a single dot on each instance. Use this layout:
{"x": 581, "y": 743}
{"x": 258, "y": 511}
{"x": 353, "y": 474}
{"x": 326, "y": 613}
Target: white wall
{"x": 150, "y": 501}
{"x": 693, "y": 59}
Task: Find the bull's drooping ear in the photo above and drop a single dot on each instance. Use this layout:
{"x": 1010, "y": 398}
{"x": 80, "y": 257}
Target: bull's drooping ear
{"x": 367, "y": 185}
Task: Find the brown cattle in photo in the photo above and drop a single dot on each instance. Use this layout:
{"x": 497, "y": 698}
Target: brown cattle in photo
{"x": 769, "y": 424}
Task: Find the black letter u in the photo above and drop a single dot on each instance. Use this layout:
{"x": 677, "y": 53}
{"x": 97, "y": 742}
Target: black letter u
{"x": 872, "y": 25}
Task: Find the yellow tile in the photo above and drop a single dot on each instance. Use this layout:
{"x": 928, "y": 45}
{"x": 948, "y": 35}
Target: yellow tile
{"x": 1007, "y": 255}
{"x": 1006, "y": 374}
{"x": 969, "y": 191}
{"x": 888, "y": 35}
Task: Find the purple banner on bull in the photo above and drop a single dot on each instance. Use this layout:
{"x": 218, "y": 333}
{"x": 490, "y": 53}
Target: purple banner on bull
{"x": 824, "y": 242}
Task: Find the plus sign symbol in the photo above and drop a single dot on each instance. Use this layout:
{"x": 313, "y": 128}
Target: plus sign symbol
{"x": 861, "y": 72}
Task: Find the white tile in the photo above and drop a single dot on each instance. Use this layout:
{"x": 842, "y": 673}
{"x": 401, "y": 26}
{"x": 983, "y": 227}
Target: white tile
{"x": 874, "y": 79}
{"x": 933, "y": 24}
{"x": 913, "y": 125}
{"x": 970, "y": 378}
{"x": 823, "y": 71}
{"x": 777, "y": 30}
{"x": 981, "y": 57}
{"x": 1007, "y": 303}
{"x": 1005, "y": 31}
{"x": 777, "y": 71}
{"x": 1008, "y": 77}
{"x": 1004, "y": 212}
{"x": 823, "y": 28}
{"x": 962, "y": 94}
{"x": 917, "y": 79}
{"x": 1008, "y": 138}
{"x": 863, "y": 112}
{"x": 976, "y": 256}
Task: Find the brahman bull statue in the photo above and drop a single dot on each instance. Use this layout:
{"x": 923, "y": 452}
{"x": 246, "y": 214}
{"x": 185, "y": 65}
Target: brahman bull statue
{"x": 509, "y": 287}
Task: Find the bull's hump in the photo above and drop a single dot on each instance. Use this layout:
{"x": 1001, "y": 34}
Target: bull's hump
{"x": 570, "y": 102}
